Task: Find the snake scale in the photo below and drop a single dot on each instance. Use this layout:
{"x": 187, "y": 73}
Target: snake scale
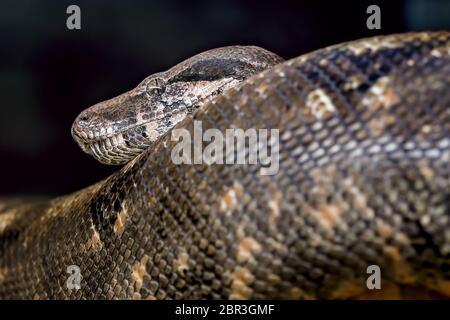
{"x": 364, "y": 179}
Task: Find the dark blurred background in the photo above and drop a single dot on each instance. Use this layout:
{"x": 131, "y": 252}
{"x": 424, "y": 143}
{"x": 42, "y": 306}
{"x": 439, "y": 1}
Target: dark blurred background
{"x": 48, "y": 74}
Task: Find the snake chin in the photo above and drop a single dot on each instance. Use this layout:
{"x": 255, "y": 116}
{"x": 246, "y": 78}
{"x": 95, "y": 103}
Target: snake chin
{"x": 110, "y": 150}
{"x": 104, "y": 152}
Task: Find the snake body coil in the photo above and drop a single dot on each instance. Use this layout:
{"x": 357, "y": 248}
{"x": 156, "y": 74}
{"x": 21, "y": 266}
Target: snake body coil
{"x": 364, "y": 179}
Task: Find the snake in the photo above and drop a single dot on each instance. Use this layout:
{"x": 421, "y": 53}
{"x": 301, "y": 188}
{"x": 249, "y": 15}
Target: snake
{"x": 362, "y": 133}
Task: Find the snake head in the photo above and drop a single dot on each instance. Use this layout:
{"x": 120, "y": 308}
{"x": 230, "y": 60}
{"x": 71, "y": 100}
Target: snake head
{"x": 117, "y": 130}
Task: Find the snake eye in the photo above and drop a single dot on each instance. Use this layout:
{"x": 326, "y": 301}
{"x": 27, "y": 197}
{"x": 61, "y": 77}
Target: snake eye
{"x": 155, "y": 86}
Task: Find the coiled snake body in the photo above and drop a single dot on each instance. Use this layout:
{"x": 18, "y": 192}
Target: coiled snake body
{"x": 364, "y": 179}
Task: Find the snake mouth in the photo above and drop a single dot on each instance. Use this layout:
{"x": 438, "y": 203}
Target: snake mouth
{"x": 89, "y": 136}
{"x": 113, "y": 147}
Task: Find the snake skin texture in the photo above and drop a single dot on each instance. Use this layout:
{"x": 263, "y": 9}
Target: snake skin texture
{"x": 364, "y": 179}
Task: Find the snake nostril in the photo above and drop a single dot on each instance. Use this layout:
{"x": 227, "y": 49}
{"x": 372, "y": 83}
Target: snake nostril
{"x": 83, "y": 120}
